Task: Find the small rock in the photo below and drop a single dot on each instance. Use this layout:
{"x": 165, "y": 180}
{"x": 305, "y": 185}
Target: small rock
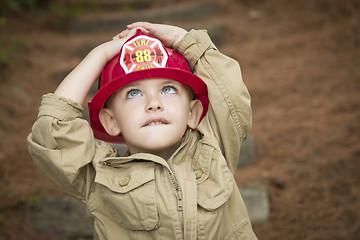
{"x": 63, "y": 217}
{"x": 255, "y": 15}
{"x": 256, "y": 200}
{"x": 247, "y": 152}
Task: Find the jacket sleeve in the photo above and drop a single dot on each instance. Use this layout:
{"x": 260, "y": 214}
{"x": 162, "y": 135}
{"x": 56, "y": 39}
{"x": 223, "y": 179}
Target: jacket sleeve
{"x": 62, "y": 145}
{"x": 229, "y": 117}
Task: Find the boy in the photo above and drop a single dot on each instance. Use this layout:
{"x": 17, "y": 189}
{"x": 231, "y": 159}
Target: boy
{"x": 176, "y": 182}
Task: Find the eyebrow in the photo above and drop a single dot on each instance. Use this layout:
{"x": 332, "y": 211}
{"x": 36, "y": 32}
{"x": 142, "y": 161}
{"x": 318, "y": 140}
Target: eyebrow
{"x": 169, "y": 81}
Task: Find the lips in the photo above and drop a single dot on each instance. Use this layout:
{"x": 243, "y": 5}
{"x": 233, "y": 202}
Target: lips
{"x": 155, "y": 122}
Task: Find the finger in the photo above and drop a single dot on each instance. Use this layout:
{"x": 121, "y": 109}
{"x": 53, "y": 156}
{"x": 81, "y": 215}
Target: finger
{"x": 124, "y": 33}
{"x": 116, "y": 36}
{"x": 130, "y": 32}
{"x": 143, "y": 30}
{"x": 143, "y": 25}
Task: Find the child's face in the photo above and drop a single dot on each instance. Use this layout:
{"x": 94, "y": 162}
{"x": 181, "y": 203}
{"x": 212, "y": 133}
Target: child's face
{"x": 153, "y": 114}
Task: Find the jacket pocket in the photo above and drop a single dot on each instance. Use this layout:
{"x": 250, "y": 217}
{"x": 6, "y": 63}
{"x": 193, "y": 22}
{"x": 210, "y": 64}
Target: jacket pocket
{"x": 214, "y": 179}
{"x": 128, "y": 192}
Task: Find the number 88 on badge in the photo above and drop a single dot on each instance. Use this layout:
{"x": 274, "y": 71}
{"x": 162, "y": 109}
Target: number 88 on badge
{"x": 141, "y": 53}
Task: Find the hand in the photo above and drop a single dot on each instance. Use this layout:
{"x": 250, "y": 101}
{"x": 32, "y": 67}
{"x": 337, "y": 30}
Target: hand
{"x": 169, "y": 35}
{"x": 112, "y": 48}
{"x": 77, "y": 84}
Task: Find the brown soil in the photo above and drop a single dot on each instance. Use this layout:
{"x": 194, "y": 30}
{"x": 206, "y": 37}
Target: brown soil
{"x": 301, "y": 63}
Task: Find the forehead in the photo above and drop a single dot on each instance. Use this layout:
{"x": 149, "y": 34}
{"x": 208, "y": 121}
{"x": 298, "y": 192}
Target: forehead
{"x": 155, "y": 82}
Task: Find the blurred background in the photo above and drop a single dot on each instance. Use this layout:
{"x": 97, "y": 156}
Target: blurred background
{"x": 300, "y": 61}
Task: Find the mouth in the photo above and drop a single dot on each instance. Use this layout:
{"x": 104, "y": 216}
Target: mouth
{"x": 155, "y": 122}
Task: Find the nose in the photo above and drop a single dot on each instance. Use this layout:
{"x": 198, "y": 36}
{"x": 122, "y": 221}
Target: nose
{"x": 154, "y": 103}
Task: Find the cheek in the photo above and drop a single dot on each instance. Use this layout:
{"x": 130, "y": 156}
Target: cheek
{"x": 182, "y": 112}
{"x": 127, "y": 117}
{"x": 122, "y": 114}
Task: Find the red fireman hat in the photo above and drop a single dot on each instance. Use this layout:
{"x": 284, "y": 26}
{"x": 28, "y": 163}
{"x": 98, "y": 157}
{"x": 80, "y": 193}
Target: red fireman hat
{"x": 142, "y": 57}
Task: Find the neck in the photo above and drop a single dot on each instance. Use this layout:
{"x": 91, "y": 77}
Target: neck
{"x": 163, "y": 153}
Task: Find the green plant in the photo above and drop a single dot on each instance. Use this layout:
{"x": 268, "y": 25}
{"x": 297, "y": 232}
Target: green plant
{"x": 62, "y": 15}
{"x": 2, "y": 21}
{"x": 32, "y": 200}
{"x": 6, "y": 191}
{"x": 127, "y": 7}
{"x": 9, "y": 45}
{"x": 2, "y": 216}
{"x": 21, "y": 5}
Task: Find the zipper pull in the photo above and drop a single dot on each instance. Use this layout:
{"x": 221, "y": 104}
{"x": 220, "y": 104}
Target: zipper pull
{"x": 179, "y": 200}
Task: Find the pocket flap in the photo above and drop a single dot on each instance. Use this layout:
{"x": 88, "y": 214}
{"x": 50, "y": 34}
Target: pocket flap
{"x": 216, "y": 183}
{"x": 125, "y": 177}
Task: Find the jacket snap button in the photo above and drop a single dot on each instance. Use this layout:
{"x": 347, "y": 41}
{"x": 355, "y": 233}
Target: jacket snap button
{"x": 198, "y": 173}
{"x": 124, "y": 181}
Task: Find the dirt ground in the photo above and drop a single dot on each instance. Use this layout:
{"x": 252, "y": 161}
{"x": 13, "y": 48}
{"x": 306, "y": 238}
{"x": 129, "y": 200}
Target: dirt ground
{"x": 301, "y": 63}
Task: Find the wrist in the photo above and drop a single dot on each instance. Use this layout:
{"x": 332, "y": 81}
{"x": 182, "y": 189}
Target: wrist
{"x": 179, "y": 37}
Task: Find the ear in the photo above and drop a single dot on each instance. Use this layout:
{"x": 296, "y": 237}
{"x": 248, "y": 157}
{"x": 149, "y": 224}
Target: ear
{"x": 196, "y": 110}
{"x": 108, "y": 121}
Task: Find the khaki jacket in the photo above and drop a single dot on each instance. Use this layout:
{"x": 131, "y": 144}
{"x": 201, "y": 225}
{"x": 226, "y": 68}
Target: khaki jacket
{"x": 193, "y": 195}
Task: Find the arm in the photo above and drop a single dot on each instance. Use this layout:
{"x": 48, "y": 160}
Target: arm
{"x": 78, "y": 83}
{"x": 229, "y": 116}
{"x": 61, "y": 144}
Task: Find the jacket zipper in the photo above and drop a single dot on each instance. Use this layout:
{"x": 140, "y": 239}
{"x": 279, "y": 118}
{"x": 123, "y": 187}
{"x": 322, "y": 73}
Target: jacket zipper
{"x": 178, "y": 194}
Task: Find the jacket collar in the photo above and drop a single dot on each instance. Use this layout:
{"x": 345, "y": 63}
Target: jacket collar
{"x": 187, "y": 146}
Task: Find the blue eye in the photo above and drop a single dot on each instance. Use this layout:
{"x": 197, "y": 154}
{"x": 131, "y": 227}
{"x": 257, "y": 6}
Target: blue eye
{"x": 133, "y": 93}
{"x": 169, "y": 90}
